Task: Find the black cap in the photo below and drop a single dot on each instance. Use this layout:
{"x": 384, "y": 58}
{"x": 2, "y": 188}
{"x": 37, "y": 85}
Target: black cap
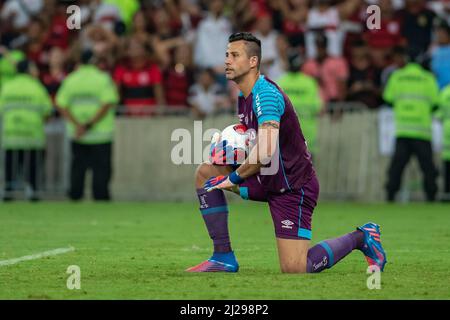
{"x": 86, "y": 56}
{"x": 295, "y": 61}
{"x": 23, "y": 66}
{"x": 399, "y": 51}
{"x": 415, "y": 54}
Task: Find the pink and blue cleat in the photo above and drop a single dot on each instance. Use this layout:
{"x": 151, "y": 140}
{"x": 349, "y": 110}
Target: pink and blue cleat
{"x": 219, "y": 262}
{"x": 372, "y": 248}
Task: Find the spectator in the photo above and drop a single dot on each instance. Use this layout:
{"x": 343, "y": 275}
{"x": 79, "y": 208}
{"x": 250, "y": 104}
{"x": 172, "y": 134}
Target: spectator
{"x": 294, "y": 15}
{"x": 34, "y": 43}
{"x": 86, "y": 12}
{"x": 330, "y": 72}
{"x": 441, "y": 8}
{"x": 53, "y": 76}
{"x": 326, "y": 18}
{"x": 173, "y": 10}
{"x": 104, "y": 44}
{"x": 140, "y": 28}
{"x": 24, "y": 106}
{"x": 353, "y": 27}
{"x": 102, "y": 13}
{"x": 192, "y": 7}
{"x": 214, "y": 26}
{"x": 179, "y": 77}
{"x": 417, "y": 25}
{"x": 364, "y": 79}
{"x": 206, "y": 97}
{"x": 58, "y": 33}
{"x": 440, "y": 57}
{"x": 166, "y": 36}
{"x": 139, "y": 81}
{"x": 190, "y": 16}
{"x": 281, "y": 65}
{"x": 269, "y": 45}
{"x": 396, "y": 4}
{"x": 86, "y": 99}
{"x": 382, "y": 40}
{"x": 245, "y": 13}
{"x": 19, "y": 13}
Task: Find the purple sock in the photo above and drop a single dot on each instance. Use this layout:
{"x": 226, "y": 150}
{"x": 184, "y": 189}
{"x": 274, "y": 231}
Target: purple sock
{"x": 329, "y": 252}
{"x": 214, "y": 209}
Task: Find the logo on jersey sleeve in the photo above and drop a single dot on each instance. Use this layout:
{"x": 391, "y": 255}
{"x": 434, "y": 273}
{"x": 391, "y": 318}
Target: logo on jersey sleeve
{"x": 258, "y": 105}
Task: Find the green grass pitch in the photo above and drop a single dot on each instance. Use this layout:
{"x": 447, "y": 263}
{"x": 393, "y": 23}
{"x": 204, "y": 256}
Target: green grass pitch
{"x": 140, "y": 251}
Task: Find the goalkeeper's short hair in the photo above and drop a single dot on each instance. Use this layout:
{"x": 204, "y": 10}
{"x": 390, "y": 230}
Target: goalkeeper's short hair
{"x": 253, "y": 44}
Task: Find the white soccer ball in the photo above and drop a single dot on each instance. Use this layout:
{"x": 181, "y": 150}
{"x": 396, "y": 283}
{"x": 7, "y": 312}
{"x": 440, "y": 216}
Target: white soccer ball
{"x": 236, "y": 136}
{"x": 237, "y": 142}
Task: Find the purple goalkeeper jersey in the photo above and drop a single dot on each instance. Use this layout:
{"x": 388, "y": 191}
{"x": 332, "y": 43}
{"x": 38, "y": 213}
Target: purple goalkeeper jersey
{"x": 268, "y": 102}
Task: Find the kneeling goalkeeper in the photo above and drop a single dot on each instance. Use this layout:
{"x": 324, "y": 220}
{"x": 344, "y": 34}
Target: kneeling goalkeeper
{"x": 290, "y": 187}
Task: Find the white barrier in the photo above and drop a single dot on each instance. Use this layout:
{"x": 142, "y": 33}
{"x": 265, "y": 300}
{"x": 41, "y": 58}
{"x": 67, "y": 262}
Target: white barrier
{"x": 351, "y": 163}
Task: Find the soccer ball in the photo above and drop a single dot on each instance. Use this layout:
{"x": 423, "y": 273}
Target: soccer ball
{"x": 234, "y": 140}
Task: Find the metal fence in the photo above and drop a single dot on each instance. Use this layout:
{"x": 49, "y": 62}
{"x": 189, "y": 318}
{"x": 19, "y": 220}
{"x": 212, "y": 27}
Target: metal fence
{"x": 31, "y": 174}
{"x": 355, "y": 149}
{"x": 349, "y": 163}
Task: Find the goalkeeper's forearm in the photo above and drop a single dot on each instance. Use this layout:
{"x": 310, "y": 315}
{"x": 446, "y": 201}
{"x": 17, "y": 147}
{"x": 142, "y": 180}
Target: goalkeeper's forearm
{"x": 262, "y": 152}
{"x": 249, "y": 168}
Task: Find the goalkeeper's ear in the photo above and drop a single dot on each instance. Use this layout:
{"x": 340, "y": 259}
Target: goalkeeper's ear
{"x": 254, "y": 62}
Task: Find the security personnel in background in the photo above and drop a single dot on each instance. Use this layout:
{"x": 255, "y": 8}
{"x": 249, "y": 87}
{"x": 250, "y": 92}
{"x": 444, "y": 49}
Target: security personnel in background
{"x": 24, "y": 106}
{"x": 413, "y": 93}
{"x": 303, "y": 91}
{"x": 86, "y": 99}
{"x": 444, "y": 113}
{"x": 8, "y": 62}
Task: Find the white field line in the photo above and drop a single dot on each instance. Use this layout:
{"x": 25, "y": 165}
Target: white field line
{"x": 36, "y": 256}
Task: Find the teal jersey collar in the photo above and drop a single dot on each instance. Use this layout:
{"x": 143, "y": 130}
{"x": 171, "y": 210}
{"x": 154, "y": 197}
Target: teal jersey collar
{"x": 261, "y": 77}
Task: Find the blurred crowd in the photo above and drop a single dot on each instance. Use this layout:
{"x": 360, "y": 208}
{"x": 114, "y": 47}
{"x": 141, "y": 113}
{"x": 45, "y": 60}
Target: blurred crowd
{"x": 170, "y": 53}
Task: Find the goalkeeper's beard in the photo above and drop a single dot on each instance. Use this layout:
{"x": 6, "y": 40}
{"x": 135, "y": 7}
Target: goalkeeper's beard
{"x": 241, "y": 77}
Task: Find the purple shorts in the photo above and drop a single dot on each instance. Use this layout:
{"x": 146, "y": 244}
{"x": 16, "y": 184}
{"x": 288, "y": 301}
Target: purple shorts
{"x": 291, "y": 211}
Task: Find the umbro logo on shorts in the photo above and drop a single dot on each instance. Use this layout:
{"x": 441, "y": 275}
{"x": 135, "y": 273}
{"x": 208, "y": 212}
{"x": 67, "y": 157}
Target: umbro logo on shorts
{"x": 287, "y": 224}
